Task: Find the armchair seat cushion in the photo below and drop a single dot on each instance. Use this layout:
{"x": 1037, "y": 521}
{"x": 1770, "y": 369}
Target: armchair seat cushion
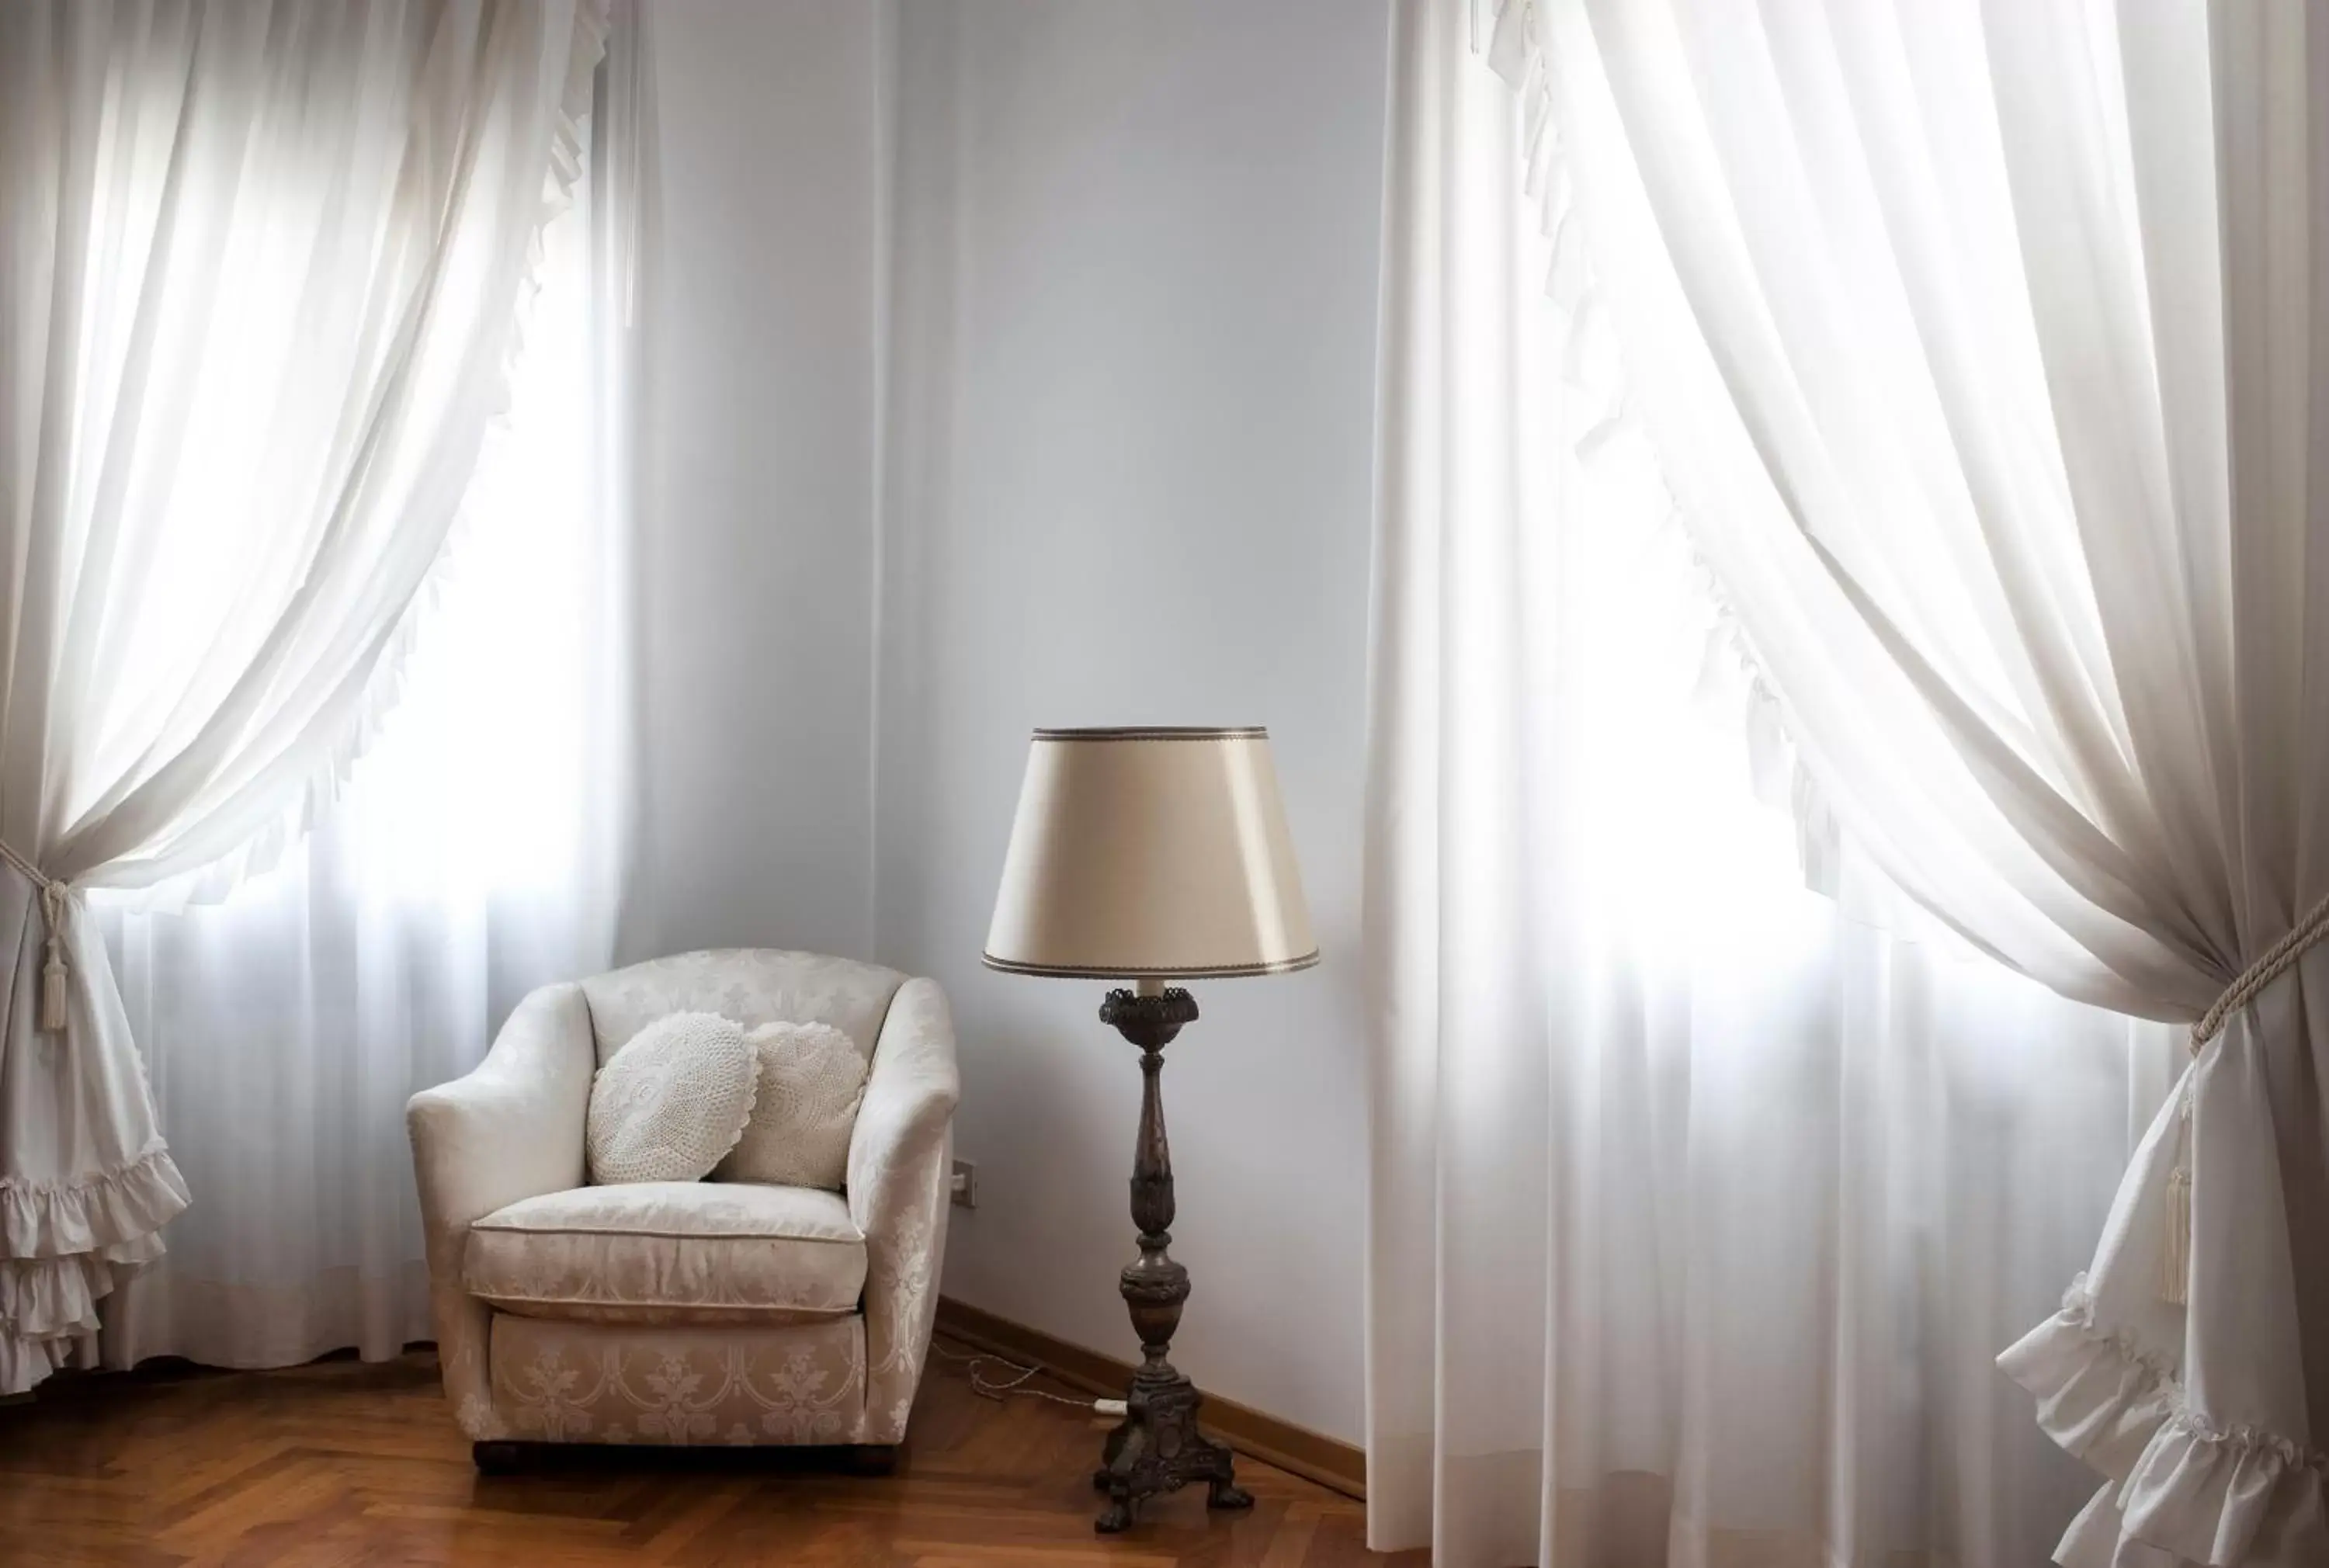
{"x": 672, "y": 1252}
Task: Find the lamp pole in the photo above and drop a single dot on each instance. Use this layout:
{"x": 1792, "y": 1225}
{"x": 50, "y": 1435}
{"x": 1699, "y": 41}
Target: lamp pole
{"x": 1157, "y": 1447}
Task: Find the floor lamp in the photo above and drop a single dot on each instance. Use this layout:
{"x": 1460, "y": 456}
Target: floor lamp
{"x": 1154, "y": 856}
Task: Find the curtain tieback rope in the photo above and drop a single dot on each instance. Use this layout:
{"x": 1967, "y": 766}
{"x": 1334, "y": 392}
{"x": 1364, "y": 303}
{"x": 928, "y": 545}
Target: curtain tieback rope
{"x": 2276, "y": 961}
{"x": 52, "y": 915}
{"x": 2176, "y": 1257}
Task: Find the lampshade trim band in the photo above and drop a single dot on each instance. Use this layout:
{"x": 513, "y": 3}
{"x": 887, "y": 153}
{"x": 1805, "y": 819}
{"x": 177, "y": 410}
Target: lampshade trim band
{"x": 1164, "y": 971}
{"x": 1155, "y": 732}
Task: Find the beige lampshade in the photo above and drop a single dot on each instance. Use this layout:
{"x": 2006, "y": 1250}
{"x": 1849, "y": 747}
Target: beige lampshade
{"x": 1150, "y": 852}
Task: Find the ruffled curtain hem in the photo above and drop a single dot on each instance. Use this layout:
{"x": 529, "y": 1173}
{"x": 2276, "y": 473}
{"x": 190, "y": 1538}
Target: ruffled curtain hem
{"x": 68, "y": 1244}
{"x": 2228, "y": 1497}
{"x": 43, "y": 1221}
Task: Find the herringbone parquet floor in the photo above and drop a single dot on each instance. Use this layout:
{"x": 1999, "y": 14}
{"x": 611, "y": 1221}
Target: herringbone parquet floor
{"x": 339, "y": 1464}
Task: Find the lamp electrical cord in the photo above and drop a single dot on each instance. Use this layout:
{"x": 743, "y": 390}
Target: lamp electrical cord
{"x": 975, "y": 1365}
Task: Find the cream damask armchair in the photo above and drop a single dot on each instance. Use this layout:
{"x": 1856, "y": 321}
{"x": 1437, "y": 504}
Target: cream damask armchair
{"x": 668, "y": 1312}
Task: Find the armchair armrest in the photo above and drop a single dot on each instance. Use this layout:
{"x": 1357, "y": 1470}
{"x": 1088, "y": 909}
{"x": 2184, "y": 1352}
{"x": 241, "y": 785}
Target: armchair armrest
{"x": 512, "y": 1129}
{"x": 898, "y": 1156}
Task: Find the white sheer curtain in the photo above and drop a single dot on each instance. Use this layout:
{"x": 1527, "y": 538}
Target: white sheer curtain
{"x": 1978, "y": 348}
{"x": 261, "y": 269}
{"x": 476, "y": 854}
{"x": 1702, "y": 1202}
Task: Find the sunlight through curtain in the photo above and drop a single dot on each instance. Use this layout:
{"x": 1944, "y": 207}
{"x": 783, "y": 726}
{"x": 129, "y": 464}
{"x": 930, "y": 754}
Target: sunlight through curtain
{"x": 1700, "y": 1202}
{"x": 263, "y": 270}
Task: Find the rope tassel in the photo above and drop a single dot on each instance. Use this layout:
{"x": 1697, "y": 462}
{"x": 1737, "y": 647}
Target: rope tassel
{"x": 53, "y": 972}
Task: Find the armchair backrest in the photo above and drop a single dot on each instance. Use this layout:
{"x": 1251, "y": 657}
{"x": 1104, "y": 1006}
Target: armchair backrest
{"x": 752, "y": 985}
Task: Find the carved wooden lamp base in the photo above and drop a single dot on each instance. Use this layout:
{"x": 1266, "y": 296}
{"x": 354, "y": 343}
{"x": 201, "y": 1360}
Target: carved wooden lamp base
{"x": 1158, "y": 1448}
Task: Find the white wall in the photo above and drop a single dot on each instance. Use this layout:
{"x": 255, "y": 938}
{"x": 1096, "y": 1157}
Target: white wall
{"x": 1083, "y": 380}
{"x": 757, "y": 555}
{"x": 1128, "y": 480}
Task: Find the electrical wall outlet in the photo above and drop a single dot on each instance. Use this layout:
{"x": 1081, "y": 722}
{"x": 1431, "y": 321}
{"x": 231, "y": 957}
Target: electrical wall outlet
{"x": 965, "y": 1184}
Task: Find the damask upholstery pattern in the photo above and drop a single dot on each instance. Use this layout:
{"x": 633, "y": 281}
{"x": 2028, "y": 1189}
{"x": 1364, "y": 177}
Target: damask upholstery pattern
{"x": 670, "y": 1252}
{"x": 898, "y": 1161}
{"x": 751, "y": 985}
{"x": 591, "y": 1383}
{"x": 513, "y": 1130}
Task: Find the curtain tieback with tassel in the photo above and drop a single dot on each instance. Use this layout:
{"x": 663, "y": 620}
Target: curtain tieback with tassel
{"x": 53, "y": 894}
{"x": 2175, "y": 1258}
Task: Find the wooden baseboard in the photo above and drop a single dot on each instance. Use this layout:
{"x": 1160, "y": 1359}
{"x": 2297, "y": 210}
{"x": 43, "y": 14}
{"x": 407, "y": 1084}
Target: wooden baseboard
{"x": 1309, "y": 1454}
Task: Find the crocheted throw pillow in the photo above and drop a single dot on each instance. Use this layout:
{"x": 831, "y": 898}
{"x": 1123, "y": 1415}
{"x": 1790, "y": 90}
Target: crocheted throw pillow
{"x": 812, "y": 1077}
{"x": 668, "y": 1104}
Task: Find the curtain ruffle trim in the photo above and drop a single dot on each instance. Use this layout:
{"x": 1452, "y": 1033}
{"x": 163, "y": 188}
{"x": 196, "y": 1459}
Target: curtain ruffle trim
{"x": 42, "y": 1298}
{"x": 25, "y": 1363}
{"x": 41, "y": 1221}
{"x": 2181, "y": 1483}
{"x": 1505, "y": 35}
{"x": 383, "y": 688}
{"x": 68, "y": 1245}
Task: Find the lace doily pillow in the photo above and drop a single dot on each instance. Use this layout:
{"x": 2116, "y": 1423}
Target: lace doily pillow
{"x": 674, "y": 1099}
{"x": 811, "y": 1079}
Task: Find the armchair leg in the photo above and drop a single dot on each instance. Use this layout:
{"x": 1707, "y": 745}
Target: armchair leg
{"x": 873, "y": 1458}
{"x": 497, "y": 1459}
